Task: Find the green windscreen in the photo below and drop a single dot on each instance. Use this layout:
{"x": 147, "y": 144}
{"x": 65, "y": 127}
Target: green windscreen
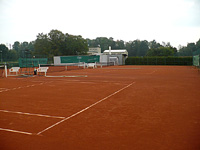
{"x": 32, "y": 62}
{"x": 196, "y": 60}
{"x": 77, "y": 59}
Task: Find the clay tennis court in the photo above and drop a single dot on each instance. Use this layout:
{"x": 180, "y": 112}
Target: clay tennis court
{"x": 118, "y": 107}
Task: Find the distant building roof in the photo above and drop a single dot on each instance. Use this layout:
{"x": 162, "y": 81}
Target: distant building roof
{"x": 116, "y": 51}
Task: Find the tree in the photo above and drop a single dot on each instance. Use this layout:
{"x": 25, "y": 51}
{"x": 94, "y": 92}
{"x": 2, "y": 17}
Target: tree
{"x": 42, "y": 45}
{"x": 4, "y": 52}
{"x": 143, "y": 48}
{"x": 16, "y": 46}
{"x": 56, "y": 43}
{"x": 185, "y": 51}
{"x": 189, "y": 49}
{"x": 153, "y": 44}
{"x": 119, "y": 44}
{"x": 102, "y": 42}
{"x": 12, "y": 55}
{"x": 198, "y": 44}
{"x": 137, "y": 48}
{"x": 75, "y": 45}
{"x": 31, "y": 46}
{"x": 161, "y": 51}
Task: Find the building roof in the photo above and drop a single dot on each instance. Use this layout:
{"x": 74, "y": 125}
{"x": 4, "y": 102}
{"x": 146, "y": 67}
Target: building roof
{"x": 116, "y": 51}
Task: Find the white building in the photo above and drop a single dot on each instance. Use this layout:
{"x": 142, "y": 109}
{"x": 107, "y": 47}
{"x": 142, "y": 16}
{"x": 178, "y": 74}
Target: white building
{"x": 116, "y": 52}
{"x": 118, "y": 56}
{"x": 94, "y": 50}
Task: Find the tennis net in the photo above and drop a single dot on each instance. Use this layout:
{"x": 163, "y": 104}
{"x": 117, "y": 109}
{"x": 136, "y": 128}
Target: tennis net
{"x": 63, "y": 67}
{"x": 103, "y": 64}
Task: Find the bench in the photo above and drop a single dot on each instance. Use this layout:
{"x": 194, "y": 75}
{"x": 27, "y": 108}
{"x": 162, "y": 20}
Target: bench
{"x": 91, "y": 65}
{"x": 14, "y": 69}
{"x": 42, "y": 69}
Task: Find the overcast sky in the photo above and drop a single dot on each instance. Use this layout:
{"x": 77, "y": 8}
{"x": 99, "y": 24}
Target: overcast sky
{"x": 174, "y": 21}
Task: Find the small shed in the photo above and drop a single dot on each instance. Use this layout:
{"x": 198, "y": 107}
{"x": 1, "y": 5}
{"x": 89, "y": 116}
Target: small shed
{"x": 118, "y": 55}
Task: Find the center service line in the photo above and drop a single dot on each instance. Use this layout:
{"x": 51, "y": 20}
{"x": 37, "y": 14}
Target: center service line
{"x": 39, "y": 133}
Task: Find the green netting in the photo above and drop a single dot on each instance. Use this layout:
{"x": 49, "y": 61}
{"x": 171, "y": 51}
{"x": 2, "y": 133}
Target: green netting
{"x": 77, "y": 59}
{"x": 12, "y": 64}
{"x": 196, "y": 60}
{"x": 31, "y": 62}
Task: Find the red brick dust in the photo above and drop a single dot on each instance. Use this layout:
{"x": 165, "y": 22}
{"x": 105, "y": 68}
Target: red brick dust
{"x": 119, "y": 107}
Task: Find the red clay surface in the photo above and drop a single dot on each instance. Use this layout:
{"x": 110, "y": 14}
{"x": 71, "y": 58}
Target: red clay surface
{"x": 123, "y": 107}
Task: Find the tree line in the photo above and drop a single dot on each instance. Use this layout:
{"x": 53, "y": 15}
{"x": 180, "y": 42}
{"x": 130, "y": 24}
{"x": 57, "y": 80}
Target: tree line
{"x": 144, "y": 47}
{"x": 56, "y": 43}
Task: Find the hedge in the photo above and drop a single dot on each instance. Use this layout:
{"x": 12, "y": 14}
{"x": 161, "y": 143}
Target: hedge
{"x": 171, "y": 60}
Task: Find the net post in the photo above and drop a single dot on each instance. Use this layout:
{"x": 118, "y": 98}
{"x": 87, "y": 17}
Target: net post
{"x": 6, "y": 70}
{"x": 95, "y": 64}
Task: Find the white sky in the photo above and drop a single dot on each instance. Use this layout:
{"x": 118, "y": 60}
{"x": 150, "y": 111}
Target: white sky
{"x": 174, "y": 21}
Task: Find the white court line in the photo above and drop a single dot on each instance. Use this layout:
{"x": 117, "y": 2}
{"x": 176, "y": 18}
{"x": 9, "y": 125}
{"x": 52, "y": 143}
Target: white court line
{"x": 30, "y": 114}
{"x": 152, "y": 72}
{"x": 5, "y": 90}
{"x": 26, "y": 86}
{"x": 22, "y": 132}
{"x": 72, "y": 76}
{"x": 84, "y": 109}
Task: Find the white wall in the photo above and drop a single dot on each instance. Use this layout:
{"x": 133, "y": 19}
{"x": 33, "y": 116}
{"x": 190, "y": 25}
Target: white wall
{"x": 57, "y": 60}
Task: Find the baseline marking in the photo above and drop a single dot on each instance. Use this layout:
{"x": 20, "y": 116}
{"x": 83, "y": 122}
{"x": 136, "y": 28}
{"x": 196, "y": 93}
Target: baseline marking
{"x": 9, "y": 130}
{"x": 30, "y": 114}
{"x": 84, "y": 109}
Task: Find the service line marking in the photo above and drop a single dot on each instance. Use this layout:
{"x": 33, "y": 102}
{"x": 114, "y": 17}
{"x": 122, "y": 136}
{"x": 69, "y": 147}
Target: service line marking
{"x": 152, "y": 72}
{"x": 26, "y": 86}
{"x": 22, "y": 132}
{"x": 30, "y": 114}
{"x": 81, "y": 111}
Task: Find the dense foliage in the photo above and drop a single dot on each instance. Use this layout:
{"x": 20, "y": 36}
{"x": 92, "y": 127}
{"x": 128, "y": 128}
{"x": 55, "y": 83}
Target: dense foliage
{"x": 145, "y": 48}
{"x": 56, "y": 43}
